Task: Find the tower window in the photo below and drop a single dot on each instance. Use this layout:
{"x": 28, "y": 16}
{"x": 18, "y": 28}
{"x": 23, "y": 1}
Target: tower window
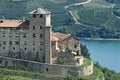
{"x": 41, "y": 35}
{"x": 13, "y": 48}
{"x": 10, "y": 34}
{"x": 34, "y": 15}
{"x": 17, "y": 34}
{"x": 75, "y": 46}
{"x": 40, "y": 27}
{"x": 25, "y": 48}
{"x": 10, "y": 42}
{"x": 34, "y": 35}
{"x": 41, "y": 15}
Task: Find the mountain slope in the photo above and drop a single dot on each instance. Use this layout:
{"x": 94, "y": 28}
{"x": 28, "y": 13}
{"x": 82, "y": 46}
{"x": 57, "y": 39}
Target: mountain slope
{"x": 98, "y": 18}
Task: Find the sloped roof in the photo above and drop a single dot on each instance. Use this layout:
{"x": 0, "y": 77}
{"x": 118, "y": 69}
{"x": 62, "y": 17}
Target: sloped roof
{"x": 11, "y": 23}
{"x": 40, "y": 11}
{"x": 60, "y": 36}
{"x": 54, "y": 38}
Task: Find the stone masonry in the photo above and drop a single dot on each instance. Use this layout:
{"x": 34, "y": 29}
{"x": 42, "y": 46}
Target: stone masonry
{"x": 28, "y": 45}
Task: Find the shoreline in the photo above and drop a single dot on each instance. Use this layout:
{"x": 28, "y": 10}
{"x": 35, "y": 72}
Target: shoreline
{"x": 99, "y": 38}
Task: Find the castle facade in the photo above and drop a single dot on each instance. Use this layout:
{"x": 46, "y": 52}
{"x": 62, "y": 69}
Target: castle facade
{"x": 27, "y": 39}
{"x": 31, "y": 45}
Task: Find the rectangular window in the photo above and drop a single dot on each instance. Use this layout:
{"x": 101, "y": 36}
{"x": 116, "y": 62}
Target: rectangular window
{"x": 41, "y": 15}
{"x": 10, "y": 42}
{"x": 3, "y": 32}
{"x": 25, "y": 48}
{"x": 46, "y": 69}
{"x": 13, "y": 48}
{"x": 34, "y": 15}
{"x": 10, "y": 34}
{"x": 75, "y": 46}
{"x": 17, "y": 34}
{"x": 16, "y": 42}
{"x": 34, "y": 35}
{"x": 4, "y": 42}
{"x": 41, "y": 35}
{"x": 40, "y": 27}
{"x": 3, "y": 35}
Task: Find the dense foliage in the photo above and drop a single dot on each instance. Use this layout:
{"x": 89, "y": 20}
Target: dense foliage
{"x": 85, "y": 51}
{"x": 113, "y": 1}
{"x": 109, "y": 74}
{"x": 97, "y": 21}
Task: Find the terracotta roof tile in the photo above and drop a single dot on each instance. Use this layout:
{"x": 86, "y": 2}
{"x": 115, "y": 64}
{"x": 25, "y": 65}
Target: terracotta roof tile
{"x": 11, "y": 23}
{"x": 60, "y": 36}
{"x": 54, "y": 38}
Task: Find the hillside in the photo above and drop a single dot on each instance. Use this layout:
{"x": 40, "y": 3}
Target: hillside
{"x": 10, "y": 74}
{"x": 114, "y": 1}
{"x": 94, "y": 18}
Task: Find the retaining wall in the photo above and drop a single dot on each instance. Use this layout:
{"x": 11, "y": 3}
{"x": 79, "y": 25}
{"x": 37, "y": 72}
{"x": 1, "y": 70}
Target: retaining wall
{"x": 43, "y": 67}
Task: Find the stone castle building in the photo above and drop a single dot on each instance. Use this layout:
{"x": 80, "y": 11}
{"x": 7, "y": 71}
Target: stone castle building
{"x": 27, "y": 39}
{"x": 23, "y": 41}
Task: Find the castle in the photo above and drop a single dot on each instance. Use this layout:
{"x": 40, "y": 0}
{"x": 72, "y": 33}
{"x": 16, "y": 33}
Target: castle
{"x": 33, "y": 43}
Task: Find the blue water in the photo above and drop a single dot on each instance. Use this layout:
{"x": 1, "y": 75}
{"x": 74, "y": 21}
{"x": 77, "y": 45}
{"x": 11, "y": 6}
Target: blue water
{"x": 106, "y": 52}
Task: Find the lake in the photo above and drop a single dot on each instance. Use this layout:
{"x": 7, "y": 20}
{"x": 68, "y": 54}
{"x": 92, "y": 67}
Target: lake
{"x": 106, "y": 52}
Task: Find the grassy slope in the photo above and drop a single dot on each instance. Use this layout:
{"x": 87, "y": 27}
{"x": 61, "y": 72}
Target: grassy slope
{"x": 8, "y": 74}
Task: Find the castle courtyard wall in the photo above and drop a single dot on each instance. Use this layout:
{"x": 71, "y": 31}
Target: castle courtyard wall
{"x": 43, "y": 67}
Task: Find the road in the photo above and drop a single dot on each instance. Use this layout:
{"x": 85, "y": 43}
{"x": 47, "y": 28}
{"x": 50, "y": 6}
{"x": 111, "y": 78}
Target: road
{"x": 76, "y": 4}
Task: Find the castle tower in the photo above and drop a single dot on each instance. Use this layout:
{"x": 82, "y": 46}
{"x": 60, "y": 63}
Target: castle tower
{"x": 40, "y": 29}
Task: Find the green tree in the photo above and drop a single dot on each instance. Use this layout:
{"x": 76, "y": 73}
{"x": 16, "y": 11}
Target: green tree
{"x": 85, "y": 51}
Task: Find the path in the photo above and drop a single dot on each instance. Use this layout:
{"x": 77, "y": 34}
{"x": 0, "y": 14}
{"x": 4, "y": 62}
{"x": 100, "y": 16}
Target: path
{"x": 76, "y": 4}
{"x": 76, "y": 21}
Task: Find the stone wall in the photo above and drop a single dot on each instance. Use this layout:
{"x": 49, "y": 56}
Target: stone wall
{"x": 43, "y": 67}
{"x": 88, "y": 70}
